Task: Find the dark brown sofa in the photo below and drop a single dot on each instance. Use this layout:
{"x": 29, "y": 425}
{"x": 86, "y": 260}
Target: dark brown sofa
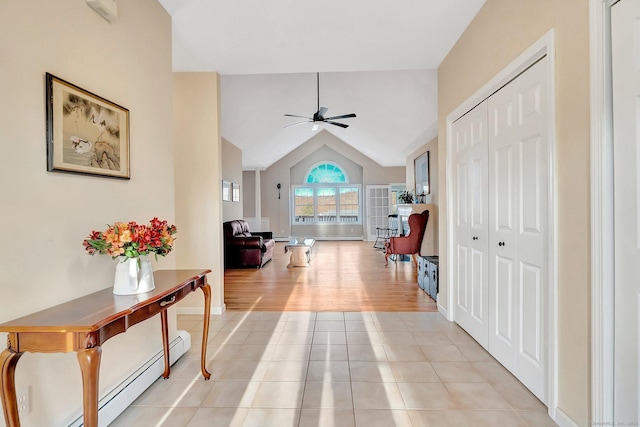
{"x": 243, "y": 248}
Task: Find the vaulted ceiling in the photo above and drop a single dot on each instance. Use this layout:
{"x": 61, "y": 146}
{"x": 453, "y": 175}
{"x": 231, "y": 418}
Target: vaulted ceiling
{"x": 376, "y": 59}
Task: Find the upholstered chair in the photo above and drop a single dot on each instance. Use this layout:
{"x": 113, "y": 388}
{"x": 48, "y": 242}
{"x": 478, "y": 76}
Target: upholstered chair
{"x": 411, "y": 243}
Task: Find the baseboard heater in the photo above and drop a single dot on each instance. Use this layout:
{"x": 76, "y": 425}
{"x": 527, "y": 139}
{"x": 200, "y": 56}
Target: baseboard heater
{"x": 122, "y": 395}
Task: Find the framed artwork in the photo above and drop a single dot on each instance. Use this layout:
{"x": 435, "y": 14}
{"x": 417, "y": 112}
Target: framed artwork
{"x": 236, "y": 192}
{"x": 421, "y": 165}
{"x": 226, "y": 191}
{"x": 86, "y": 134}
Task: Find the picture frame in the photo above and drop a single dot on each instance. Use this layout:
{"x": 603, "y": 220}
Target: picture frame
{"x": 235, "y": 192}
{"x": 421, "y": 168}
{"x": 226, "y": 191}
{"x": 86, "y": 133}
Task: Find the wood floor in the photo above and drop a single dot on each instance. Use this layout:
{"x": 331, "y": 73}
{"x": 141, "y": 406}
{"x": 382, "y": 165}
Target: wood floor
{"x": 344, "y": 276}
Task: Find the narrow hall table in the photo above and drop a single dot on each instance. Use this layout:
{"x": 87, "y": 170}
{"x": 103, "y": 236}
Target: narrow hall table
{"x": 84, "y": 324}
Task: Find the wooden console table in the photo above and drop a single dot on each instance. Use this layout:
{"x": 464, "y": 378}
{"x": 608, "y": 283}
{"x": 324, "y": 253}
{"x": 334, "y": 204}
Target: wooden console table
{"x": 84, "y": 324}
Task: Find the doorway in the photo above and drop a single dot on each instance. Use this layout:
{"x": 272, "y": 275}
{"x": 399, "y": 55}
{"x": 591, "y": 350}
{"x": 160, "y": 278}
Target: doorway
{"x": 614, "y": 210}
{"x": 625, "y": 67}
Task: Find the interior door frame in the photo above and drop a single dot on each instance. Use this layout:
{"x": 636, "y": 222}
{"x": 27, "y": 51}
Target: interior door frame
{"x": 545, "y": 46}
{"x": 602, "y": 202}
{"x": 367, "y": 207}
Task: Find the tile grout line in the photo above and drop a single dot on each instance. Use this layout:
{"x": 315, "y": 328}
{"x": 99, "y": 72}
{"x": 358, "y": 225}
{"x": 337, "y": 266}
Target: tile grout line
{"x": 518, "y": 413}
{"x": 346, "y": 344}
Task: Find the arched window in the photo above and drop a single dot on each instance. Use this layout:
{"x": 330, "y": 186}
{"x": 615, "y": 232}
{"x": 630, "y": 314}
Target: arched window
{"x": 326, "y": 197}
{"x": 326, "y": 172}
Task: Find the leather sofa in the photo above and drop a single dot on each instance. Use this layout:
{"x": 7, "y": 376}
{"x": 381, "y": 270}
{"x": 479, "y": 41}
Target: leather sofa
{"x": 243, "y": 248}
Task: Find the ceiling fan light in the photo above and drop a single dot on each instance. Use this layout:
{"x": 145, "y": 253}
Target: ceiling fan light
{"x": 315, "y": 127}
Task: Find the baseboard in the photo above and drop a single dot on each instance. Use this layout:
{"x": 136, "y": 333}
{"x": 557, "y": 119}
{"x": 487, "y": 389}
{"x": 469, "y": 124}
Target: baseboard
{"x": 563, "y": 420}
{"x": 329, "y": 238}
{"x": 200, "y": 310}
{"x": 443, "y": 310}
{"x": 119, "y": 399}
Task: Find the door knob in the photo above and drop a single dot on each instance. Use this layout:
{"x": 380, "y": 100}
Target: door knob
{"x": 475, "y": 237}
{"x": 501, "y": 244}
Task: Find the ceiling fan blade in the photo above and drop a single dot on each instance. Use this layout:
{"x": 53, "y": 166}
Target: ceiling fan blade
{"x": 318, "y": 116}
{"x": 298, "y": 123}
{"x": 302, "y": 117}
{"x": 342, "y": 125}
{"x": 345, "y": 116}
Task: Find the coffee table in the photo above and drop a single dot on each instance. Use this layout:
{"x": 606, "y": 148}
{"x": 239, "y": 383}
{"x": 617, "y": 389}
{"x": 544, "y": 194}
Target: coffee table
{"x": 300, "y": 248}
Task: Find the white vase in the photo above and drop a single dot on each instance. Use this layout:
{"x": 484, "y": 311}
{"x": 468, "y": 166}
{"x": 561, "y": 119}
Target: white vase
{"x": 133, "y": 276}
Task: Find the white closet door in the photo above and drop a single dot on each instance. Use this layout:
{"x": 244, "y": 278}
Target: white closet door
{"x": 502, "y": 239}
{"x": 470, "y": 184}
{"x": 377, "y": 209}
{"x": 518, "y": 247}
{"x": 625, "y": 34}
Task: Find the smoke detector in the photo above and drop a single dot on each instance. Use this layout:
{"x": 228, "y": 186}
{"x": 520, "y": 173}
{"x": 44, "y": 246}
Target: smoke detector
{"x": 106, "y": 8}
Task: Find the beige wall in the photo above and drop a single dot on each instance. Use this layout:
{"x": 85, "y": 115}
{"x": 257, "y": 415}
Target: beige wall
{"x": 432, "y": 148}
{"x": 248, "y": 193}
{"x": 46, "y": 215}
{"x": 232, "y": 172}
{"x": 430, "y": 241}
{"x": 198, "y": 157}
{"x": 500, "y": 32}
{"x": 322, "y": 147}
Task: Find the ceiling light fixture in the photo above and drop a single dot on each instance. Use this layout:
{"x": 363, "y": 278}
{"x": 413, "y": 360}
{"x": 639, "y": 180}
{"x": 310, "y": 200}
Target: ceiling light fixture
{"x": 318, "y": 116}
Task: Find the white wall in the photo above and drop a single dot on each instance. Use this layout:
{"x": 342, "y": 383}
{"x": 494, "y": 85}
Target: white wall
{"x": 46, "y": 215}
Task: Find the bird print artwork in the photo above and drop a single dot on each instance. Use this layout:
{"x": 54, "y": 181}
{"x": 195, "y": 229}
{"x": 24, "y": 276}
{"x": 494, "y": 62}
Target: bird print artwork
{"x": 92, "y": 133}
{"x": 80, "y": 145}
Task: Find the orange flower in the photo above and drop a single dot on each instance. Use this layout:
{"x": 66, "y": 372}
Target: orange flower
{"x": 132, "y": 240}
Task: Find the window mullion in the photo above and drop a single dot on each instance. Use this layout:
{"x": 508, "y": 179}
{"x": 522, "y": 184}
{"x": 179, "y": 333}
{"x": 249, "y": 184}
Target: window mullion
{"x": 338, "y": 211}
{"x": 315, "y": 205}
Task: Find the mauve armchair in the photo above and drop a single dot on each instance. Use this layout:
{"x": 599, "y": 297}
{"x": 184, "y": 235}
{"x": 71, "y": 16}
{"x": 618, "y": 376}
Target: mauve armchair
{"x": 411, "y": 243}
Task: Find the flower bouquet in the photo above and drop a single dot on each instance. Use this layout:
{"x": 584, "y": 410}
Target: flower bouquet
{"x": 131, "y": 243}
{"x": 131, "y": 240}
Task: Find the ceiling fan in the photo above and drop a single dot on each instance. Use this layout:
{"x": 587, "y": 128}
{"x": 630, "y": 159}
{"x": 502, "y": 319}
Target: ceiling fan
{"x": 318, "y": 116}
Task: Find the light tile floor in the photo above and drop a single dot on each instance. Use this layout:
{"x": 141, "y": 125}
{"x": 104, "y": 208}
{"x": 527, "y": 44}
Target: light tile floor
{"x": 335, "y": 369}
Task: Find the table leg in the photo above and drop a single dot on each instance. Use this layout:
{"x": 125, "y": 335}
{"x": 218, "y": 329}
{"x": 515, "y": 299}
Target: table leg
{"x": 206, "y": 290}
{"x": 300, "y": 256}
{"x": 8, "y": 362}
{"x": 89, "y": 359}
{"x": 165, "y": 343}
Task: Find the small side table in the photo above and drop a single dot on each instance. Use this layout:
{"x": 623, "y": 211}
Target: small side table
{"x": 300, "y": 249}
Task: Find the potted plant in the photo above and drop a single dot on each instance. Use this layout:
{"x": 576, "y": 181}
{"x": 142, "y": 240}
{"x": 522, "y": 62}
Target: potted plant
{"x": 406, "y": 197}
